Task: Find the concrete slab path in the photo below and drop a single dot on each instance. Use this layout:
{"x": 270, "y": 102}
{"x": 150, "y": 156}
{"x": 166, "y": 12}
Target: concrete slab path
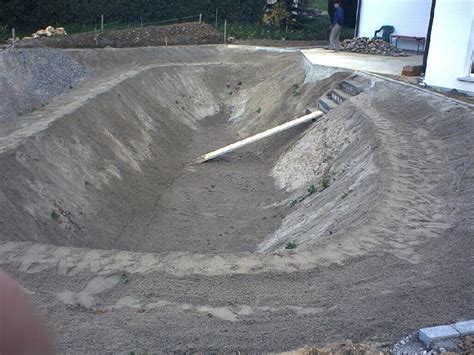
{"x": 361, "y": 62}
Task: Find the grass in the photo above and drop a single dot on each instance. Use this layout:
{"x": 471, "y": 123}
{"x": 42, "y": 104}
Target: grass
{"x": 313, "y": 29}
{"x": 325, "y": 180}
{"x": 290, "y": 245}
{"x": 55, "y": 216}
{"x": 319, "y": 5}
{"x": 312, "y": 190}
{"x": 3, "y": 32}
{"x": 296, "y": 90}
{"x": 324, "y": 183}
{"x": 316, "y": 29}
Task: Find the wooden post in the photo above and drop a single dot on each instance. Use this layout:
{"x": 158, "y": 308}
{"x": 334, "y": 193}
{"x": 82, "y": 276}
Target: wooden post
{"x": 13, "y": 36}
{"x": 141, "y": 22}
{"x": 200, "y": 18}
{"x": 258, "y": 137}
{"x": 225, "y": 31}
{"x": 166, "y": 41}
{"x": 216, "y": 17}
{"x": 101, "y": 22}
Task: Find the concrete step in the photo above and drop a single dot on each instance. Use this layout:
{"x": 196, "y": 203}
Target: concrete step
{"x": 351, "y": 87}
{"x": 311, "y": 110}
{"x": 326, "y": 105}
{"x": 338, "y": 96}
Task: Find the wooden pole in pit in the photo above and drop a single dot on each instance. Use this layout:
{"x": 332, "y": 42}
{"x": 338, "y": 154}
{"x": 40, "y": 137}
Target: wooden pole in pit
{"x": 258, "y": 137}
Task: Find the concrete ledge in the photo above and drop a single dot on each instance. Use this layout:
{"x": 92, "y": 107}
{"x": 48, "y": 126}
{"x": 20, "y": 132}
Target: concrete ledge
{"x": 429, "y": 335}
{"x": 465, "y": 328}
{"x": 468, "y": 79}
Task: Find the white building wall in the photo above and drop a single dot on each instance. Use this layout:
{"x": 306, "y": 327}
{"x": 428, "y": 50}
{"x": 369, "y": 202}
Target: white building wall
{"x": 409, "y": 17}
{"x": 452, "y": 45}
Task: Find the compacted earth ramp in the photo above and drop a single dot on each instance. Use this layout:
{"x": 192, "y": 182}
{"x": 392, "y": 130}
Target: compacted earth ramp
{"x": 358, "y": 226}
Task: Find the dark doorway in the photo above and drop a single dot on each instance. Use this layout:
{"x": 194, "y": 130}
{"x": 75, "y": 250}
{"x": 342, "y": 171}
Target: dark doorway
{"x": 350, "y": 11}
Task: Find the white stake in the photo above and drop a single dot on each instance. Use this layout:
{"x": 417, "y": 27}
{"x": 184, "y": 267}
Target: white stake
{"x": 225, "y": 31}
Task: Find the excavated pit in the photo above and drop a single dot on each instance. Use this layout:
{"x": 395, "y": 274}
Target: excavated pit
{"x": 114, "y": 172}
{"x": 125, "y": 246}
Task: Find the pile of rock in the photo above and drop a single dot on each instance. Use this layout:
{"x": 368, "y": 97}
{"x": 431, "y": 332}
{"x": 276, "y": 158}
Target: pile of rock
{"x": 49, "y": 31}
{"x": 371, "y": 46}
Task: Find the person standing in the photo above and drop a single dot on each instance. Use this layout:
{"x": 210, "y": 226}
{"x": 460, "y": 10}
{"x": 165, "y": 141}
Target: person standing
{"x": 336, "y": 26}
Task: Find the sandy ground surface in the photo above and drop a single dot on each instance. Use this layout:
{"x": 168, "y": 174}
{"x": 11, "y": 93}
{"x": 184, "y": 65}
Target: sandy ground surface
{"x": 385, "y": 249}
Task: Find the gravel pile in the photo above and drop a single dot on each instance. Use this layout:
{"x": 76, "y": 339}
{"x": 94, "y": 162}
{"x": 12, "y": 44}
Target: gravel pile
{"x": 30, "y": 77}
{"x": 371, "y": 46}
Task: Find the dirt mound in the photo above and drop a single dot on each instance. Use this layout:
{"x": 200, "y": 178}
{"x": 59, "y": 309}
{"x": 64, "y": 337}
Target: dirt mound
{"x": 177, "y": 34}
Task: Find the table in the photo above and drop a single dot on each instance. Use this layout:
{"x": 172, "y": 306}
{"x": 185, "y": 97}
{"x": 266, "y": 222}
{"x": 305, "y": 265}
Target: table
{"x": 419, "y": 40}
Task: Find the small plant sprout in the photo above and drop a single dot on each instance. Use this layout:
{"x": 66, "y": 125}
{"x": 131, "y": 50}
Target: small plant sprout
{"x": 55, "y": 216}
{"x": 312, "y": 190}
{"x": 296, "y": 91}
{"x": 259, "y": 110}
{"x": 290, "y": 245}
{"x": 325, "y": 180}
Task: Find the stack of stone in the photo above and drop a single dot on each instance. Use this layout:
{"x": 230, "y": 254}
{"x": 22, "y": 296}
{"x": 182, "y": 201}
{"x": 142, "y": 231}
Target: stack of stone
{"x": 371, "y": 46}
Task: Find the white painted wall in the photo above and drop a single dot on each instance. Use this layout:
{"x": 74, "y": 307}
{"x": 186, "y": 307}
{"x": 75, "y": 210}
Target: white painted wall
{"x": 452, "y": 45}
{"x": 409, "y": 17}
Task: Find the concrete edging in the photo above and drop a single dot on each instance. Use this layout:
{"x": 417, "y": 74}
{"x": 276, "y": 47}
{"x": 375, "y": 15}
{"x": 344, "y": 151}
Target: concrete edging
{"x": 442, "y": 332}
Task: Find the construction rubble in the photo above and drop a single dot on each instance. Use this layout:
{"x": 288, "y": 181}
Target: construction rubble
{"x": 49, "y": 31}
{"x": 371, "y": 46}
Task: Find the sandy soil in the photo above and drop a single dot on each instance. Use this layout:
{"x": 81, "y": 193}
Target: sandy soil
{"x": 385, "y": 249}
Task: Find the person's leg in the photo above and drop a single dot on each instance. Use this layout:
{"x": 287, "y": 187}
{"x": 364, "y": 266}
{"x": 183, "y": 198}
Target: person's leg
{"x": 332, "y": 38}
{"x": 337, "y": 35}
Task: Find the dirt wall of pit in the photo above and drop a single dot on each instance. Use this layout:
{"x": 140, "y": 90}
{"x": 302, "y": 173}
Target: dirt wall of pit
{"x": 99, "y": 168}
{"x": 90, "y": 170}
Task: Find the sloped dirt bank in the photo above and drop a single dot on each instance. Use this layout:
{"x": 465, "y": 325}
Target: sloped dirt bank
{"x": 114, "y": 173}
{"x": 384, "y": 249}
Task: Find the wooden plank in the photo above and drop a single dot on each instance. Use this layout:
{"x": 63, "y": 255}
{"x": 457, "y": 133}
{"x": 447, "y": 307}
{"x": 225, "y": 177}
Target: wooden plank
{"x": 258, "y": 137}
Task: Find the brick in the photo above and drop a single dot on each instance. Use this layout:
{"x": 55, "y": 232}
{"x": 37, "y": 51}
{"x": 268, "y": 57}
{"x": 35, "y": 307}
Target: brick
{"x": 465, "y": 328}
{"x": 429, "y": 335}
{"x": 412, "y": 70}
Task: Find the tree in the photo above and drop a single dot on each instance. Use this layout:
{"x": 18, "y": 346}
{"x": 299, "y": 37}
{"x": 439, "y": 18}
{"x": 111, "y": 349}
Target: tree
{"x": 278, "y": 15}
